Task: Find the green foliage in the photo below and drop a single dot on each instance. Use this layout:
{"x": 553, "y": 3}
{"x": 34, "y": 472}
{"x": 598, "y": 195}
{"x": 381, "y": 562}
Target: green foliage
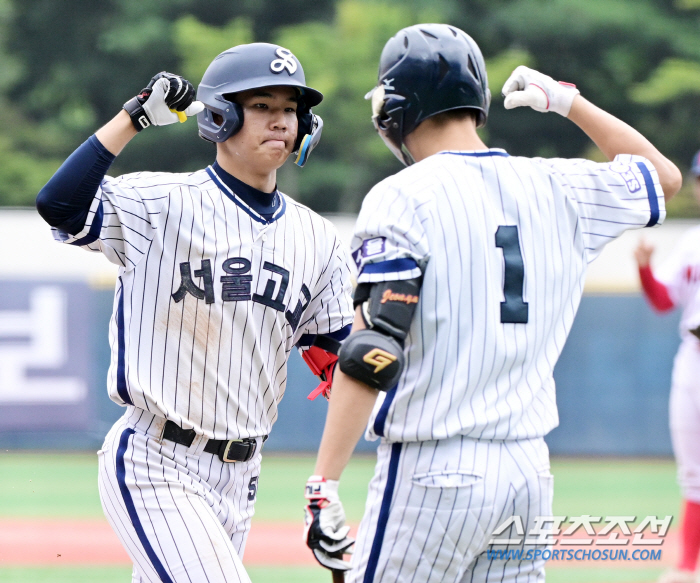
{"x": 340, "y": 59}
{"x": 501, "y": 66}
{"x": 198, "y": 43}
{"x": 67, "y": 67}
{"x": 674, "y": 78}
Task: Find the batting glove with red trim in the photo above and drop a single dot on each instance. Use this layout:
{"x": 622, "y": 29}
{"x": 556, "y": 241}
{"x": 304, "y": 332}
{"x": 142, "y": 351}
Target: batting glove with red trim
{"x": 325, "y": 533}
{"x": 538, "y": 91}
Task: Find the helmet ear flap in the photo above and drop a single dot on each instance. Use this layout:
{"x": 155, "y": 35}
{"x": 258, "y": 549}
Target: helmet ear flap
{"x": 308, "y": 137}
{"x": 219, "y": 124}
{"x": 389, "y": 123}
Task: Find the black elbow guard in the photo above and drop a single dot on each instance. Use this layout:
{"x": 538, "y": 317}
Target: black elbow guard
{"x": 389, "y": 306}
{"x": 372, "y": 358}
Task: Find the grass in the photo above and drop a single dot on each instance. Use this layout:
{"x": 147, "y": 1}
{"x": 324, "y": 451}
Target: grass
{"x": 49, "y": 486}
{"x": 297, "y": 575}
{"x": 615, "y": 487}
{"x": 64, "y": 486}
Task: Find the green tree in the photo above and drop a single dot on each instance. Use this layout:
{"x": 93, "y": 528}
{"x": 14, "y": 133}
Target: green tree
{"x": 67, "y": 67}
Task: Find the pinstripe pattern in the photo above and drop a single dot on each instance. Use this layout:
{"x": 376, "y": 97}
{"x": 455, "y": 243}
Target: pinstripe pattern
{"x": 448, "y": 498}
{"x": 210, "y": 300}
{"x": 502, "y": 244}
{"x": 218, "y": 367}
{"x": 181, "y": 514}
{"x": 468, "y": 372}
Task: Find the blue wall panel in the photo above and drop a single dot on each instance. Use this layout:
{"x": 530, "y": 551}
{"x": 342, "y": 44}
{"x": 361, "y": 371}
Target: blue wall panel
{"x": 613, "y": 383}
{"x": 613, "y": 379}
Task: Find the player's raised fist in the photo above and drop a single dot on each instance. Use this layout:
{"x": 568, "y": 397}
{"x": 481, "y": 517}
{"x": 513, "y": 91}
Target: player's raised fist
{"x": 168, "y": 98}
{"x": 643, "y": 253}
{"x": 538, "y": 91}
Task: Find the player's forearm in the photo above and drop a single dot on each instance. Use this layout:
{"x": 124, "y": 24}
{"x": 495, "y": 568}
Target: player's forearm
{"x": 655, "y": 291}
{"x": 117, "y": 133}
{"x": 349, "y": 409}
{"x": 613, "y": 137}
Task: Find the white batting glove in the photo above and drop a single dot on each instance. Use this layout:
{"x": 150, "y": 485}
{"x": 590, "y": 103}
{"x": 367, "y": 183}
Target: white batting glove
{"x": 538, "y": 91}
{"x": 325, "y": 532}
{"x": 164, "y": 96}
{"x": 168, "y": 98}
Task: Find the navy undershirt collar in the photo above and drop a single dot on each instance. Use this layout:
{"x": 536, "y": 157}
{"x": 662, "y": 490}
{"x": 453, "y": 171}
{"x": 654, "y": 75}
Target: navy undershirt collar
{"x": 264, "y": 203}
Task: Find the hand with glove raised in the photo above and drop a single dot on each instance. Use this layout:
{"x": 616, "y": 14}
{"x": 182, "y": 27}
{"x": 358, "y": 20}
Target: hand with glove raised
{"x": 538, "y": 91}
{"x": 325, "y": 533}
{"x": 165, "y": 100}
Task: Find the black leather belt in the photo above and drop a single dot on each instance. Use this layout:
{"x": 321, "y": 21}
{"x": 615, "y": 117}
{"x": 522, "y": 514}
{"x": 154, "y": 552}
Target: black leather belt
{"x": 228, "y": 450}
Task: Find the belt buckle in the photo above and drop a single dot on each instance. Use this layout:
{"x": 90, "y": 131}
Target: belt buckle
{"x": 224, "y": 456}
{"x": 252, "y": 446}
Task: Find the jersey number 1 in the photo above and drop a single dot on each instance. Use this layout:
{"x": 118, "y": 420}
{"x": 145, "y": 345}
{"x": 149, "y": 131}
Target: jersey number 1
{"x": 514, "y": 309}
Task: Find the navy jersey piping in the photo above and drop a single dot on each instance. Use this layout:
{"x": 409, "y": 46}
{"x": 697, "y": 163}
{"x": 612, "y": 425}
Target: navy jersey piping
{"x": 494, "y": 152}
{"x": 373, "y": 560}
{"x": 131, "y": 509}
{"x": 651, "y": 193}
{"x": 390, "y": 266}
{"x": 239, "y": 203}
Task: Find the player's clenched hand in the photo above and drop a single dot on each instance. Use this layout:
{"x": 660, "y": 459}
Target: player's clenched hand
{"x": 643, "y": 253}
{"x": 325, "y": 533}
{"x": 538, "y": 91}
{"x": 168, "y": 98}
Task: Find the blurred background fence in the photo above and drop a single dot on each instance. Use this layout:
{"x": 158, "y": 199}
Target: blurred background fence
{"x": 55, "y": 303}
{"x": 66, "y": 67}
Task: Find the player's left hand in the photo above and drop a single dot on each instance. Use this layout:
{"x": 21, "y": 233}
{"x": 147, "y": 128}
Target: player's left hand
{"x": 643, "y": 253}
{"x": 538, "y": 91}
{"x": 325, "y": 533}
{"x": 167, "y": 95}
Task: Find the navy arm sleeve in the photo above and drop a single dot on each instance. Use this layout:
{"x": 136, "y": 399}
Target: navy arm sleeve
{"x": 65, "y": 200}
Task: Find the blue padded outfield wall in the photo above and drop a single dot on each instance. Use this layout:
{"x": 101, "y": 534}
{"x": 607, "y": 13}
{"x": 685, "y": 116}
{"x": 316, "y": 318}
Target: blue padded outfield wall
{"x": 612, "y": 380}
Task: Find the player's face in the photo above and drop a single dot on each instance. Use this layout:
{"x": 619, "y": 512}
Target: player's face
{"x": 696, "y": 188}
{"x": 269, "y": 127}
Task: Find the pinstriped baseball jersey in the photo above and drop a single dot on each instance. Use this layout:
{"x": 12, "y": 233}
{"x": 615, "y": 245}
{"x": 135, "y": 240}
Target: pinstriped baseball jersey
{"x": 211, "y": 296}
{"x": 502, "y": 244}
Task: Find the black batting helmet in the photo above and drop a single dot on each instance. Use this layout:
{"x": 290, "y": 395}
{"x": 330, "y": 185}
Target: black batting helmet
{"x": 424, "y": 70}
{"x": 253, "y": 66}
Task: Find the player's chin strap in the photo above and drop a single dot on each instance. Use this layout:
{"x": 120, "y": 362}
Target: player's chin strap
{"x": 309, "y": 141}
{"x": 321, "y": 358}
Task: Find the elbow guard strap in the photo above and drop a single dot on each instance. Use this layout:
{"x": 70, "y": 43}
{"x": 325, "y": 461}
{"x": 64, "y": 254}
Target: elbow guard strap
{"x": 372, "y": 358}
{"x": 389, "y": 306}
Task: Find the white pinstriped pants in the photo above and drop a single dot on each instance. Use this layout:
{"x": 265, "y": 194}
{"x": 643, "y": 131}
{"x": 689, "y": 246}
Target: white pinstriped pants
{"x": 432, "y": 508}
{"x": 181, "y": 513}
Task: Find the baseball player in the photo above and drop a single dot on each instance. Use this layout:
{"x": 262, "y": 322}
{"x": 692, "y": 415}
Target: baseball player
{"x": 677, "y": 283}
{"x": 220, "y": 277}
{"x": 471, "y": 269}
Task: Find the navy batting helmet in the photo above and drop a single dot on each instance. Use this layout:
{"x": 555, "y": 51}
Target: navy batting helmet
{"x": 424, "y": 70}
{"x": 250, "y": 67}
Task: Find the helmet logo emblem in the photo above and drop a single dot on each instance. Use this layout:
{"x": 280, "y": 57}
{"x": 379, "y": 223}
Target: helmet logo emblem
{"x": 388, "y": 84}
{"x": 285, "y": 61}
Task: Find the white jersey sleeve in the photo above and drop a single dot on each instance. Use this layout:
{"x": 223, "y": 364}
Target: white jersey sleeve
{"x": 330, "y": 305}
{"x": 612, "y": 197}
{"x": 389, "y": 250}
{"x": 123, "y": 217}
